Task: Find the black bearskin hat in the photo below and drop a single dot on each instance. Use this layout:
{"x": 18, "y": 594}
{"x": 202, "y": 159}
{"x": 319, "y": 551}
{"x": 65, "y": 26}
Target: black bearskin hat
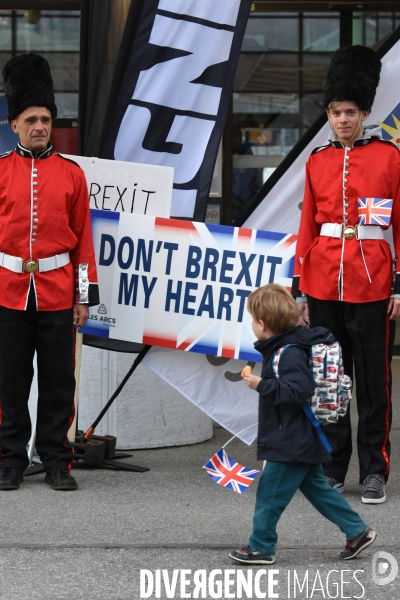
{"x": 353, "y": 76}
{"x": 28, "y": 82}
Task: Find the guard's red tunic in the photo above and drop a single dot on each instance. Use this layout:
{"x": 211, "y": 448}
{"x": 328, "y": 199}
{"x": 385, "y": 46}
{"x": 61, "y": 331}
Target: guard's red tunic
{"x": 44, "y": 211}
{"x": 331, "y": 268}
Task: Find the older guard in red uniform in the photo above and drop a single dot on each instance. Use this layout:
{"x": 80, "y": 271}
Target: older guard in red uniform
{"x": 47, "y": 278}
{"x": 344, "y": 267}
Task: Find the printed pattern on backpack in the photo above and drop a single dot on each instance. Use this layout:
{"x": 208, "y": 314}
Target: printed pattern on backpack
{"x": 332, "y": 393}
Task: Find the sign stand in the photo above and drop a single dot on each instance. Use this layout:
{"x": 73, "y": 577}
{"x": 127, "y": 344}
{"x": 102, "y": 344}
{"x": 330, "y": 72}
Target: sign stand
{"x": 90, "y": 448}
{"x": 93, "y": 450}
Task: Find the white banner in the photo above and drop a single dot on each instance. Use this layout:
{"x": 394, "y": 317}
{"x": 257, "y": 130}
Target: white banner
{"x": 213, "y": 384}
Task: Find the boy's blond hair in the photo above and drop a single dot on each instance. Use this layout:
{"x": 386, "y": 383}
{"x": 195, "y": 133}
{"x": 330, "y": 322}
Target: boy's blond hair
{"x": 273, "y": 305}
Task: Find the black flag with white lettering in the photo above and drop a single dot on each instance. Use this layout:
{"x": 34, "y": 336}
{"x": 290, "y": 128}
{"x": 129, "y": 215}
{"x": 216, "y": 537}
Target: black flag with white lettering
{"x": 172, "y": 89}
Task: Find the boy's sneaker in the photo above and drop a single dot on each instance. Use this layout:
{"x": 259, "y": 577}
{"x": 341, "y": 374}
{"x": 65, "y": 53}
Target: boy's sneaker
{"x": 251, "y": 556}
{"x": 334, "y": 483}
{"x": 354, "y": 547}
{"x": 373, "y": 489}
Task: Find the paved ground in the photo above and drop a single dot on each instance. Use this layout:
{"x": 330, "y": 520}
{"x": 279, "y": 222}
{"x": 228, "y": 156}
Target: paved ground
{"x": 96, "y": 543}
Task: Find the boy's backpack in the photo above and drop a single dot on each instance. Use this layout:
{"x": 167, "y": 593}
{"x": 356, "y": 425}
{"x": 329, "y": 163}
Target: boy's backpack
{"x": 332, "y": 393}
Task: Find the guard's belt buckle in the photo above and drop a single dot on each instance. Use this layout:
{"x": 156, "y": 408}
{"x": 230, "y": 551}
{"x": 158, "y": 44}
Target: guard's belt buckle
{"x": 350, "y": 232}
{"x": 30, "y": 266}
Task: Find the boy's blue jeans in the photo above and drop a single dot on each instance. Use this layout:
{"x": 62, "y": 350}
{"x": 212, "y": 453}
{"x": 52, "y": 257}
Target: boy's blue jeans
{"x": 277, "y": 485}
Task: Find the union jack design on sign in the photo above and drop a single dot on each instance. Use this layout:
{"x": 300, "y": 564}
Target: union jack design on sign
{"x": 227, "y": 472}
{"x": 374, "y": 211}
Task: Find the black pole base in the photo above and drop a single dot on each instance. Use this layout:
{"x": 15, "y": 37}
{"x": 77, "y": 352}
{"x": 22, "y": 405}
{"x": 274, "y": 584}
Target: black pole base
{"x": 99, "y": 451}
{"x": 34, "y": 469}
{"x": 120, "y": 466}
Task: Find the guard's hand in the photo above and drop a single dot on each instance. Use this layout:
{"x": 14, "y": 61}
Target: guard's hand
{"x": 303, "y": 311}
{"x": 251, "y": 380}
{"x": 394, "y": 308}
{"x": 80, "y": 314}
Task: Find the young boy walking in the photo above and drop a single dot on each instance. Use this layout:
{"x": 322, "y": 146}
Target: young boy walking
{"x": 287, "y": 439}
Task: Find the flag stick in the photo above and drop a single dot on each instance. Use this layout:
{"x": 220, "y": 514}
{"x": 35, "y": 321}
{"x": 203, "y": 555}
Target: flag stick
{"x": 241, "y": 431}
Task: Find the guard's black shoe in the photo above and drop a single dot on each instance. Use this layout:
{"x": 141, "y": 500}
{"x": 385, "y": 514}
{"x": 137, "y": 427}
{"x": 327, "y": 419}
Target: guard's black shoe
{"x": 10, "y": 478}
{"x": 61, "y": 479}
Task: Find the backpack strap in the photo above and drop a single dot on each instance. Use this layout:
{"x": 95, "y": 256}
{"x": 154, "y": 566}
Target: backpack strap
{"x": 307, "y": 409}
{"x": 305, "y": 406}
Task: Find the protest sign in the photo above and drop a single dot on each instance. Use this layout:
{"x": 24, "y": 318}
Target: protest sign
{"x": 182, "y": 284}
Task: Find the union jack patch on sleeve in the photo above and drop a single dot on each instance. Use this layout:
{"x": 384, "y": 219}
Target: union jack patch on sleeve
{"x": 374, "y": 211}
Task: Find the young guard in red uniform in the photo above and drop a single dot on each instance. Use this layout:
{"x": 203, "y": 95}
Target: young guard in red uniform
{"x": 47, "y": 278}
{"x": 344, "y": 267}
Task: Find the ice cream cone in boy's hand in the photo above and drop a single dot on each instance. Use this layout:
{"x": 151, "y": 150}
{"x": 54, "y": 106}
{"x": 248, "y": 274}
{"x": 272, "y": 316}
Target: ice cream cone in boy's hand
{"x": 246, "y": 371}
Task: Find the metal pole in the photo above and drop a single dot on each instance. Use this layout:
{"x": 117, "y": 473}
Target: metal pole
{"x": 136, "y": 363}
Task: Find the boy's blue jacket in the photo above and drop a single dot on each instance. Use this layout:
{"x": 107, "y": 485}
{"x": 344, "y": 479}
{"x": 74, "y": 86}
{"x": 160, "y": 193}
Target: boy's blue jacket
{"x": 285, "y": 434}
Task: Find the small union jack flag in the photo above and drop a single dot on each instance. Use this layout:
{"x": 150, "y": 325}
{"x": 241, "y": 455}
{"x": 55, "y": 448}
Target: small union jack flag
{"x": 374, "y": 211}
{"x": 227, "y": 472}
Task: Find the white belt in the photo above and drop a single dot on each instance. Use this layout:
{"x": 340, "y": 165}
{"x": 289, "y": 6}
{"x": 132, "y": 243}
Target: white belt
{"x": 19, "y": 265}
{"x": 360, "y": 232}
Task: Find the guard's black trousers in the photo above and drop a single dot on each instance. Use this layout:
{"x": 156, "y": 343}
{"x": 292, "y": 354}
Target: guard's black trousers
{"x": 366, "y": 335}
{"x": 52, "y": 335}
